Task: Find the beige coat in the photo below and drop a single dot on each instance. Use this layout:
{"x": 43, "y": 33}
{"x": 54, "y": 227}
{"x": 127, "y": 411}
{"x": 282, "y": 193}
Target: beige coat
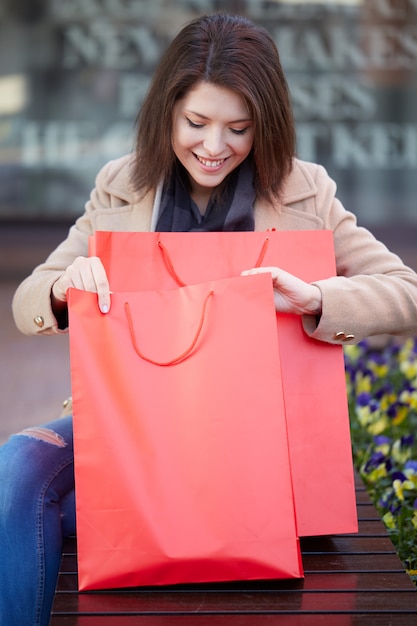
{"x": 374, "y": 293}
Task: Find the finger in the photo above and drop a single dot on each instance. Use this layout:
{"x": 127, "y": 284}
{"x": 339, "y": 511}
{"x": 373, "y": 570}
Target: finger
{"x": 59, "y": 288}
{"x": 87, "y": 274}
{"x": 274, "y": 271}
{"x": 258, "y": 270}
{"x": 101, "y": 283}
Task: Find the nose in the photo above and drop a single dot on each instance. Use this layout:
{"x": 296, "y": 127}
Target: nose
{"x": 214, "y": 142}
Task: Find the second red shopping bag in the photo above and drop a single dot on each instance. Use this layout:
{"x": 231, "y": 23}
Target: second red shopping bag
{"x": 312, "y": 371}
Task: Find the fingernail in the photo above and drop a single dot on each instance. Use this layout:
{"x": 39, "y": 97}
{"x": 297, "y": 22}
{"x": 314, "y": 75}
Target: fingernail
{"x": 104, "y": 308}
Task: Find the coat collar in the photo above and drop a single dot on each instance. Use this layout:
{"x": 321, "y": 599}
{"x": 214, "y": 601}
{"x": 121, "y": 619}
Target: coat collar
{"x": 118, "y": 182}
{"x": 299, "y": 184}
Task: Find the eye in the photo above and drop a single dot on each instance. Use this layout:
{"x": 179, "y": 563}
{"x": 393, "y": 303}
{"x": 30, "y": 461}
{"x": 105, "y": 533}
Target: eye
{"x": 239, "y": 131}
{"x": 193, "y": 124}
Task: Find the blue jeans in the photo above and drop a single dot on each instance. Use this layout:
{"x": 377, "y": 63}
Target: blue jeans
{"x": 37, "y": 510}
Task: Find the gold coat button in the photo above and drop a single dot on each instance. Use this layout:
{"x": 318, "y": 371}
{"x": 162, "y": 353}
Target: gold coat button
{"x": 349, "y": 337}
{"x": 340, "y": 336}
{"x": 39, "y": 321}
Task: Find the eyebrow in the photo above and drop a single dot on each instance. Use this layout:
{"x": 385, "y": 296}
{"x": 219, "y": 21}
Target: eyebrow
{"x": 204, "y": 117}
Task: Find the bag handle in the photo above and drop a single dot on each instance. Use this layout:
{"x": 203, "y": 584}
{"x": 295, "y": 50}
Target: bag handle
{"x": 184, "y": 354}
{"x": 180, "y": 282}
{"x": 169, "y": 264}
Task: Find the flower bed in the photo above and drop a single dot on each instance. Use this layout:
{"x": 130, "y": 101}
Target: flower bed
{"x": 382, "y": 393}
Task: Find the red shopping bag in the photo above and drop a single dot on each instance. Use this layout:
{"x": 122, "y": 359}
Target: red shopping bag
{"x": 313, "y": 372}
{"x": 180, "y": 444}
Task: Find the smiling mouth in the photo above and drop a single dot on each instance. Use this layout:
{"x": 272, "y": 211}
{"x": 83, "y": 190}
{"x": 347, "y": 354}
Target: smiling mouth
{"x": 209, "y": 163}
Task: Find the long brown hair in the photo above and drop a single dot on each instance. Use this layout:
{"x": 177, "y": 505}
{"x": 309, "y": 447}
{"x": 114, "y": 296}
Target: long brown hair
{"x": 228, "y": 51}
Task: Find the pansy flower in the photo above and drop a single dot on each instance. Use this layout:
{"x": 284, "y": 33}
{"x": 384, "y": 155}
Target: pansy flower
{"x": 389, "y": 520}
{"x": 400, "y": 486}
{"x": 397, "y": 412}
{"x": 382, "y": 444}
{"x": 401, "y": 453}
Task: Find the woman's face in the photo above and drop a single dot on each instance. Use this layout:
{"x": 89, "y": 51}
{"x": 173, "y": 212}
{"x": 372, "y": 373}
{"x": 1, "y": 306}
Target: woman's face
{"x": 212, "y": 134}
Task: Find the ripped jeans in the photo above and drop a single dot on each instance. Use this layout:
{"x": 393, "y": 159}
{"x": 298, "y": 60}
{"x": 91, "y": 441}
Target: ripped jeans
{"x": 37, "y": 510}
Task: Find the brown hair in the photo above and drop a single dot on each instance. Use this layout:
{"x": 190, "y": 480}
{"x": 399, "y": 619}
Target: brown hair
{"x": 228, "y": 51}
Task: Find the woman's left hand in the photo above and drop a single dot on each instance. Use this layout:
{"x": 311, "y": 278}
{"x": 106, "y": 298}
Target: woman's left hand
{"x": 291, "y": 294}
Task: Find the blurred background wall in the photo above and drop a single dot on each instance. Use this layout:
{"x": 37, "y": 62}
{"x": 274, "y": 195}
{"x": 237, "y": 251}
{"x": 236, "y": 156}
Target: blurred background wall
{"x": 73, "y": 74}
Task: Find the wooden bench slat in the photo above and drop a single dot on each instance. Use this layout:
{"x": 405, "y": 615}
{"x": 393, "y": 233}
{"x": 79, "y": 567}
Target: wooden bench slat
{"x": 362, "y": 496}
{"x": 312, "y": 619}
{"x": 372, "y": 527}
{"x": 231, "y": 602}
{"x": 334, "y": 561}
{"x": 350, "y": 544}
{"x": 350, "y": 580}
{"x": 319, "y": 581}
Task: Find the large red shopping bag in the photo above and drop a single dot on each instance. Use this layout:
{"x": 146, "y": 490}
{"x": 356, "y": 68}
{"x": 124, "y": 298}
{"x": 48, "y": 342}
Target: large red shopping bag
{"x": 313, "y": 372}
{"x": 180, "y": 444}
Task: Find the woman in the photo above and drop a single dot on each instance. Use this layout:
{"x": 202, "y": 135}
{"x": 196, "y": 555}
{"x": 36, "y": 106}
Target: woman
{"x": 215, "y": 151}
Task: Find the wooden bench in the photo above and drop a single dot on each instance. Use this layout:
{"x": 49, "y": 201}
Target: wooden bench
{"x": 350, "y": 580}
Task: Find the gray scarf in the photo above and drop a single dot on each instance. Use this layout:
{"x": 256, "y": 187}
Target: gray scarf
{"x": 234, "y": 211}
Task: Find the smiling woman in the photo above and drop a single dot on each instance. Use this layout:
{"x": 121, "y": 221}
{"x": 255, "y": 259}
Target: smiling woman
{"x": 222, "y": 60}
{"x": 212, "y": 134}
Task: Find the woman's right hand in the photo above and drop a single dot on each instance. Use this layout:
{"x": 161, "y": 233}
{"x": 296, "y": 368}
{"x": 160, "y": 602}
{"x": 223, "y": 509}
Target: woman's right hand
{"x": 87, "y": 274}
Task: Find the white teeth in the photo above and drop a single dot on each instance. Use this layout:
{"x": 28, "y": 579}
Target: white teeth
{"x": 210, "y": 163}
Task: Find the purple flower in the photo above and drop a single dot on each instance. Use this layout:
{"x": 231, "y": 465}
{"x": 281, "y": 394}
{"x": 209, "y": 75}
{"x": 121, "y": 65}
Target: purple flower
{"x": 379, "y": 358}
{"x": 395, "y": 508}
{"x": 393, "y": 409}
{"x": 375, "y": 460}
{"x": 385, "y": 390}
{"x": 364, "y": 398}
{"x": 398, "y": 476}
{"x": 407, "y": 441}
{"x": 389, "y": 502}
{"x": 411, "y": 465}
{"x": 381, "y": 440}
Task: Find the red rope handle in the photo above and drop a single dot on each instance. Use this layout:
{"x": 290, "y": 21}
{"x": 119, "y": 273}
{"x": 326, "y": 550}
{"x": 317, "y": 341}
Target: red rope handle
{"x": 186, "y": 352}
{"x": 262, "y": 252}
{"x": 181, "y": 283}
{"x": 169, "y": 264}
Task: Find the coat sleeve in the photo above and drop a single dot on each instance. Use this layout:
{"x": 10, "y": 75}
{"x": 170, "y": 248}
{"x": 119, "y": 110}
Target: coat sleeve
{"x": 31, "y": 304}
{"x": 373, "y": 293}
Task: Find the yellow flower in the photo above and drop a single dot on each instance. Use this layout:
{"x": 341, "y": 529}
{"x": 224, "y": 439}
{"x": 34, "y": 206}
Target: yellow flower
{"x": 411, "y": 477}
{"x": 363, "y": 384}
{"x": 400, "y": 454}
{"x": 378, "y": 473}
{"x": 409, "y": 398}
{"x": 378, "y": 425}
{"x": 400, "y": 487}
{"x": 364, "y": 415}
{"x": 387, "y": 400}
{"x": 384, "y": 448}
{"x": 407, "y": 350}
{"x": 380, "y": 370}
{"x": 353, "y": 352}
{"x": 409, "y": 369}
{"x": 401, "y": 415}
{"x": 389, "y": 520}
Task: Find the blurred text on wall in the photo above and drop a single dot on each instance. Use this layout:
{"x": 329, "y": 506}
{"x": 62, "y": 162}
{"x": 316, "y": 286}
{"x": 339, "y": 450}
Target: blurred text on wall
{"x": 73, "y": 74}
